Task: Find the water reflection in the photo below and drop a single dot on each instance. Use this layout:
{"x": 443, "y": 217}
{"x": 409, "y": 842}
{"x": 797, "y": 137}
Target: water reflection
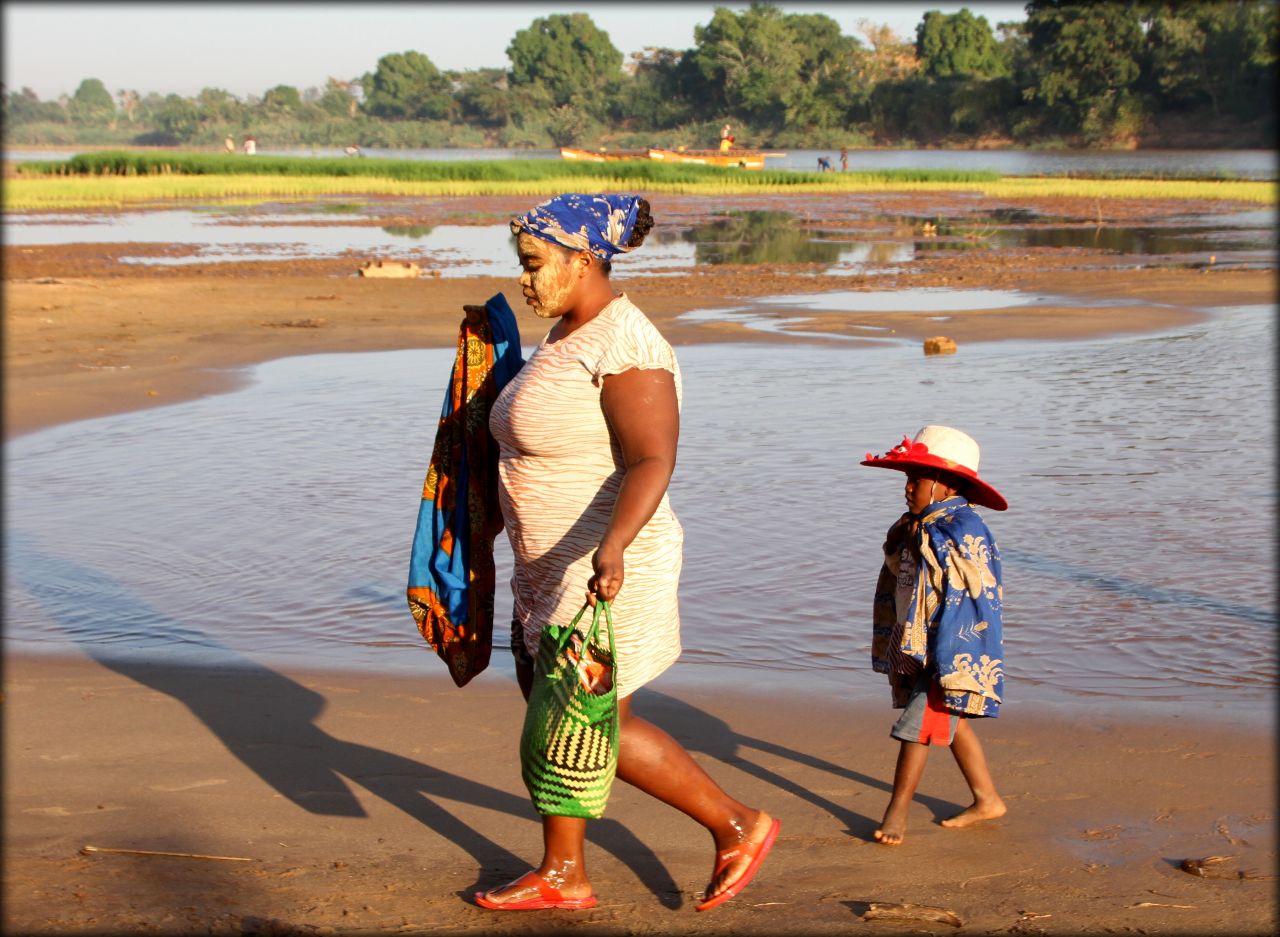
{"x": 861, "y": 243}
{"x": 323, "y": 208}
{"x": 409, "y": 230}
{"x": 759, "y": 237}
{"x": 1138, "y": 240}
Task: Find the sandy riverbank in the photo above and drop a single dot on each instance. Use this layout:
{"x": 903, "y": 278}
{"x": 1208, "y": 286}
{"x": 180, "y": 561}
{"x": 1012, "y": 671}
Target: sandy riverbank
{"x": 81, "y": 346}
{"x": 87, "y": 334}
{"x": 374, "y": 804}
{"x": 368, "y": 804}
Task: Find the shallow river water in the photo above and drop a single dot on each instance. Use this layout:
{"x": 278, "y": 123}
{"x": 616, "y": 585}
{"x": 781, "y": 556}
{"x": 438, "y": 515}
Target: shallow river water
{"x": 318, "y": 229}
{"x": 273, "y": 523}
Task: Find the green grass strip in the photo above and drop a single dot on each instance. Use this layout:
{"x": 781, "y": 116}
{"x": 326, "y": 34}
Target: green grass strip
{"x": 106, "y": 180}
{"x": 126, "y": 163}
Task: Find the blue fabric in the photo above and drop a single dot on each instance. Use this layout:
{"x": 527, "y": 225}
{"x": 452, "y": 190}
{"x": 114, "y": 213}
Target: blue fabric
{"x": 451, "y": 578}
{"x": 447, "y": 572}
{"x": 599, "y": 224}
{"x": 960, "y": 572}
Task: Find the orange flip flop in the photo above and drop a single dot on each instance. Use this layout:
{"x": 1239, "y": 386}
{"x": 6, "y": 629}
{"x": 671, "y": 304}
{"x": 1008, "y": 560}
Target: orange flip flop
{"x": 757, "y": 852}
{"x": 546, "y": 898}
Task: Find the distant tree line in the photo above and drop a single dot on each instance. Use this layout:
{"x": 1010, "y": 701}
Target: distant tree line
{"x": 1074, "y": 72}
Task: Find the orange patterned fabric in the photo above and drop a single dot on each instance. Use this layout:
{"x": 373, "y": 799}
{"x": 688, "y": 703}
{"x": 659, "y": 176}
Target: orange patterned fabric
{"x": 451, "y": 570}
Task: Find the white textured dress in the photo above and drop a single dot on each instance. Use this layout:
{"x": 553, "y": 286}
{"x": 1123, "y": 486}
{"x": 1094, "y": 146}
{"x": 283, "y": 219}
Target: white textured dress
{"x": 559, "y": 473}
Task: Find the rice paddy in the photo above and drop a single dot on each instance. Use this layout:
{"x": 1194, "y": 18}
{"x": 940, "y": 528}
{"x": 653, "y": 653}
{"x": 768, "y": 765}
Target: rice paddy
{"x": 117, "y": 178}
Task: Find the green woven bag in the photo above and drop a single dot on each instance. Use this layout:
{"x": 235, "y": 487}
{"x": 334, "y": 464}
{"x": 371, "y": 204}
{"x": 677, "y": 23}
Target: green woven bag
{"x": 569, "y": 746}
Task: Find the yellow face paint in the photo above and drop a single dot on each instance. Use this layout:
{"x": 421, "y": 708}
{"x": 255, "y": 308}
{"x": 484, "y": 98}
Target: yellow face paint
{"x": 547, "y": 275}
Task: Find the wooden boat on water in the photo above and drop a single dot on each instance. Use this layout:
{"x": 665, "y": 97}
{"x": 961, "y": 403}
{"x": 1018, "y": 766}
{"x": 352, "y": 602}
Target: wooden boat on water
{"x": 600, "y": 156}
{"x": 731, "y": 159}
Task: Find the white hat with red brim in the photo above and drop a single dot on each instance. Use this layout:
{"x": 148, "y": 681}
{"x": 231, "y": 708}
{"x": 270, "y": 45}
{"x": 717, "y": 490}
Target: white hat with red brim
{"x": 947, "y": 449}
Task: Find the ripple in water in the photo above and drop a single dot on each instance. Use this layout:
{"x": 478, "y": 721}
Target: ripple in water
{"x": 274, "y": 523}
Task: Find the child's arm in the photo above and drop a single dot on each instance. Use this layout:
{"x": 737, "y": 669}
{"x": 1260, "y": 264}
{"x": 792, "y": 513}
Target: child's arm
{"x": 898, "y": 533}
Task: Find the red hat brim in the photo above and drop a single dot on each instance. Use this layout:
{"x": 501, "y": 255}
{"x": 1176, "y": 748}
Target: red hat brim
{"x": 978, "y": 491}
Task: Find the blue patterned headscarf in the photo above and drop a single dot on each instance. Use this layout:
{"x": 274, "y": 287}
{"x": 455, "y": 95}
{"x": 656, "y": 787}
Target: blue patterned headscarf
{"x": 598, "y": 224}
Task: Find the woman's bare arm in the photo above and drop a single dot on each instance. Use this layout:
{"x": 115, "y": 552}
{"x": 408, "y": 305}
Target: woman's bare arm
{"x": 644, "y": 416}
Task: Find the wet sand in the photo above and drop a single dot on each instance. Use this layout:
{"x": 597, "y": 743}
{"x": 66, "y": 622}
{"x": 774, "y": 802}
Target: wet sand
{"x": 367, "y": 804}
{"x": 374, "y": 804}
{"x": 81, "y": 346}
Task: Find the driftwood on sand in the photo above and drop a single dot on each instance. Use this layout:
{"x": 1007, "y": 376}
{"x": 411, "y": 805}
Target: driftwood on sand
{"x": 910, "y": 914}
{"x": 378, "y": 268}
{"x": 89, "y": 850}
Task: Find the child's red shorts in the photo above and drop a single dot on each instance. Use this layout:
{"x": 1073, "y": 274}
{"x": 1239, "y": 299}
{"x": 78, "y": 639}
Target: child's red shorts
{"x": 925, "y": 719}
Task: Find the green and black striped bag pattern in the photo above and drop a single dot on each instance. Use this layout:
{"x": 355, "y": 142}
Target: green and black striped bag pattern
{"x": 569, "y": 746}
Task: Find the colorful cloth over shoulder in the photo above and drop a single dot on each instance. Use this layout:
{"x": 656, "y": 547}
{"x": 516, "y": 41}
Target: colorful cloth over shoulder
{"x": 451, "y": 573}
{"x": 954, "y": 620}
{"x": 598, "y": 224}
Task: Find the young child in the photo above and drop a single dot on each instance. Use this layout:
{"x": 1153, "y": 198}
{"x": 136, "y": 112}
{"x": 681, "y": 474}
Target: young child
{"x": 936, "y": 626}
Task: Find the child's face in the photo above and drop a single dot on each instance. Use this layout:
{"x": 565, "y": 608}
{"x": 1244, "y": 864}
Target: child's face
{"x": 925, "y": 488}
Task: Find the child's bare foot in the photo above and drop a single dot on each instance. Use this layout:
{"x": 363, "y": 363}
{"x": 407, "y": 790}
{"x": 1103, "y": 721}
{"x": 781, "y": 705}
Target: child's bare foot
{"x": 888, "y": 835}
{"x": 986, "y": 809}
{"x": 892, "y": 828}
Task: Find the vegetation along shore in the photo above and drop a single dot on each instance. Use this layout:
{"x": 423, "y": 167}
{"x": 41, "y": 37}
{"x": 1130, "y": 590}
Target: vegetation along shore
{"x": 115, "y": 178}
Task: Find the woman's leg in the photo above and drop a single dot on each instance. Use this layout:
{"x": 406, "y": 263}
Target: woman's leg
{"x": 968, "y": 753}
{"x": 912, "y": 757}
{"x": 650, "y": 759}
{"x": 563, "y": 866}
{"x": 524, "y": 677}
{"x": 563, "y": 863}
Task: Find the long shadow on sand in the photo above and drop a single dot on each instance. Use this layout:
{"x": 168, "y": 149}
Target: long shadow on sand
{"x": 268, "y": 721}
{"x": 700, "y": 731}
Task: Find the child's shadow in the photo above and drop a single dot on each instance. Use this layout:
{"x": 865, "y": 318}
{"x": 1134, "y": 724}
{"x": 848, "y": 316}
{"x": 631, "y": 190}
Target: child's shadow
{"x": 700, "y": 731}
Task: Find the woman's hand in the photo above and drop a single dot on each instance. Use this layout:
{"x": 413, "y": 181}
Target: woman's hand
{"x": 607, "y": 581}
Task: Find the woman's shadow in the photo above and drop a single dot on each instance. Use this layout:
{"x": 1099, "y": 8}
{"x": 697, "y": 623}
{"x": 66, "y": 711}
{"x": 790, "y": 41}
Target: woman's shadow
{"x": 268, "y": 722}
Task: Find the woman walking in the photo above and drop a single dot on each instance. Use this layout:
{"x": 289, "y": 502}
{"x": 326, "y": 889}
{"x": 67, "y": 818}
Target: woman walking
{"x": 587, "y": 432}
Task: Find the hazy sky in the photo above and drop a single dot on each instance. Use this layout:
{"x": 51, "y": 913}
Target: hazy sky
{"x": 248, "y": 48}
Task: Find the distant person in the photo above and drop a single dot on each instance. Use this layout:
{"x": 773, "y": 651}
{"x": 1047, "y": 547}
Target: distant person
{"x": 844, "y": 159}
{"x": 824, "y": 164}
{"x": 937, "y": 619}
{"x": 229, "y": 144}
{"x": 250, "y": 146}
{"x": 726, "y": 138}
